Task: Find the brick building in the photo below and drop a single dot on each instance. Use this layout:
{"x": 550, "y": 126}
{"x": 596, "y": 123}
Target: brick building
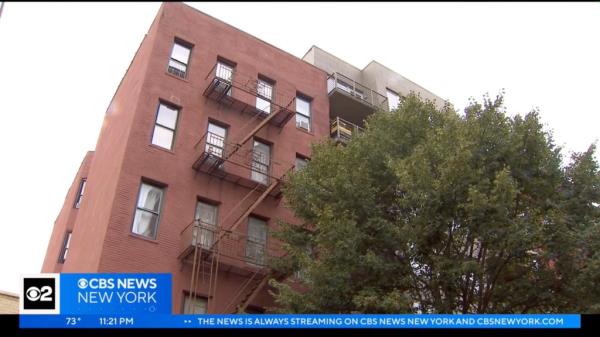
{"x": 187, "y": 172}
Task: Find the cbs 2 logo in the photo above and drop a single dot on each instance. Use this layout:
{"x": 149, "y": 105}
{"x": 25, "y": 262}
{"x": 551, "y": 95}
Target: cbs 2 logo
{"x": 39, "y": 294}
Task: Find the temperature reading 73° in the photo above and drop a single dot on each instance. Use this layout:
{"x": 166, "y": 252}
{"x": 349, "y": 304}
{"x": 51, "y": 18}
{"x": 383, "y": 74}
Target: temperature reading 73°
{"x": 72, "y": 320}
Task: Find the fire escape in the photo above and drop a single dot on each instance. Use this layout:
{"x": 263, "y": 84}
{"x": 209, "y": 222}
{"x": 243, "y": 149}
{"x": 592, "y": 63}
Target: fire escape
{"x": 213, "y": 247}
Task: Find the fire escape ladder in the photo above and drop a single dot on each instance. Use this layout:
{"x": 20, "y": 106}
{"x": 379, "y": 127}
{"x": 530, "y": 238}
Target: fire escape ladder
{"x": 251, "y": 283}
{"x": 250, "y": 135}
{"x": 248, "y": 211}
{"x": 250, "y": 295}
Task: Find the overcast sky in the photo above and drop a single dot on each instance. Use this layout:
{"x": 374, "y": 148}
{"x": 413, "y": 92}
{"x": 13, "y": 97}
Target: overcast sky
{"x": 60, "y": 65}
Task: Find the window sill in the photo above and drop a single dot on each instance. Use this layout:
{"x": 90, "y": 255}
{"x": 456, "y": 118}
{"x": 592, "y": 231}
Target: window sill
{"x": 141, "y": 237}
{"x": 305, "y": 131}
{"x": 162, "y": 149}
{"x": 177, "y": 77}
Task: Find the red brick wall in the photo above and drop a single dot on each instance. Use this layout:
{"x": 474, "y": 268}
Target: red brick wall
{"x": 93, "y": 219}
{"x": 65, "y": 221}
{"x": 124, "y": 154}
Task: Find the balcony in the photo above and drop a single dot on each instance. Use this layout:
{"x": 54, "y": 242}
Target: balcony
{"x": 238, "y": 164}
{"x": 245, "y": 93}
{"x": 351, "y": 100}
{"x": 237, "y": 251}
{"x": 342, "y": 131}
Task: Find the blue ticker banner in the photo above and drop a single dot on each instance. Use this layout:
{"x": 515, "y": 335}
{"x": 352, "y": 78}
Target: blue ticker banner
{"x": 491, "y": 321}
{"x": 128, "y": 300}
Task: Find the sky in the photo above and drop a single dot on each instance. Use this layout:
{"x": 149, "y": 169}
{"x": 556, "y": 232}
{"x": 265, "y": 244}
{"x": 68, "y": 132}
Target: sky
{"x": 60, "y": 64}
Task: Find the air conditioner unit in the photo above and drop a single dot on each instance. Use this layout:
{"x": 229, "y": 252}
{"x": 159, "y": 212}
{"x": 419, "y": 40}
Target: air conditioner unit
{"x": 303, "y": 125}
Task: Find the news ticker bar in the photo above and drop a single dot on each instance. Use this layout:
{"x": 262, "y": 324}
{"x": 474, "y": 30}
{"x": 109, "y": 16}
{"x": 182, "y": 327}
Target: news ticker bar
{"x": 346, "y": 321}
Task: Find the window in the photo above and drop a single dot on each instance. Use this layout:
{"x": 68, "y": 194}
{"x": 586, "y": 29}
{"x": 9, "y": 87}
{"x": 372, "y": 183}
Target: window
{"x": 206, "y": 214}
{"x": 215, "y": 140}
{"x": 264, "y": 90}
{"x": 164, "y": 129}
{"x": 147, "y": 211}
{"x": 180, "y": 56}
{"x": 261, "y": 160}
{"x": 303, "y": 113}
{"x": 257, "y": 241}
{"x": 80, "y": 194}
{"x": 65, "y": 248}
{"x": 224, "y": 72}
{"x": 301, "y": 163}
{"x": 393, "y": 100}
{"x": 197, "y": 305}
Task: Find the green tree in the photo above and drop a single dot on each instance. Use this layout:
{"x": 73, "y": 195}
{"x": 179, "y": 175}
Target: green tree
{"x": 432, "y": 211}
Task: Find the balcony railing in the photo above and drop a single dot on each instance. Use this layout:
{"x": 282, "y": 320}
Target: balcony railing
{"x": 248, "y": 93}
{"x": 342, "y": 131}
{"x": 235, "y": 247}
{"x": 356, "y": 90}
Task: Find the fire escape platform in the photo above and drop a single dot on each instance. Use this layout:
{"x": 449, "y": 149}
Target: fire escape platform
{"x": 240, "y": 94}
{"x": 216, "y": 166}
{"x": 230, "y": 248}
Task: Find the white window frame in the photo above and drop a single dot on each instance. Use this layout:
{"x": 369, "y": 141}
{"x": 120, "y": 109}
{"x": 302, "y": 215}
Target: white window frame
{"x": 225, "y": 71}
{"x": 301, "y": 114}
{"x": 184, "y": 64}
{"x": 261, "y": 168}
{"x": 170, "y": 129}
{"x": 80, "y": 193}
{"x": 143, "y": 209}
{"x": 392, "y": 94}
{"x": 264, "y": 95}
{"x": 65, "y": 247}
{"x": 215, "y": 143}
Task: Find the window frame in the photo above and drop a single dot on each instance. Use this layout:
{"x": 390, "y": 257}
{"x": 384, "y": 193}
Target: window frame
{"x": 300, "y": 157}
{"x": 215, "y": 225}
{"x": 81, "y": 190}
{"x": 163, "y": 189}
{"x": 221, "y": 61}
{"x": 156, "y": 123}
{"x": 186, "y": 295}
{"x": 267, "y": 174}
{"x": 184, "y": 44}
{"x": 256, "y": 243}
{"x": 220, "y": 125}
{"x": 62, "y": 257}
{"x": 307, "y": 99}
{"x": 387, "y": 92}
{"x": 265, "y": 81}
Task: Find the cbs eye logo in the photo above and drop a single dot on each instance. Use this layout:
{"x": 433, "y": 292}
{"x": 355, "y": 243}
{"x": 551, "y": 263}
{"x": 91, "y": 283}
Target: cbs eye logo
{"x": 40, "y": 294}
{"x": 44, "y": 294}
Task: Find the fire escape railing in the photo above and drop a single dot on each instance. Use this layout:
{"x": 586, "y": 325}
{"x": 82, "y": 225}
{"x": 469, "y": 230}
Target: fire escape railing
{"x": 250, "y": 168}
{"x": 232, "y": 244}
{"x": 231, "y": 87}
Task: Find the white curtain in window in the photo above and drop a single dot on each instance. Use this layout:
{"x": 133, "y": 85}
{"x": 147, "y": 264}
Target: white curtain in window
{"x": 150, "y": 198}
{"x": 146, "y": 216}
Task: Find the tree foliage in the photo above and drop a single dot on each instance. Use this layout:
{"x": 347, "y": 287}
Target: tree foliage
{"x": 432, "y": 211}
